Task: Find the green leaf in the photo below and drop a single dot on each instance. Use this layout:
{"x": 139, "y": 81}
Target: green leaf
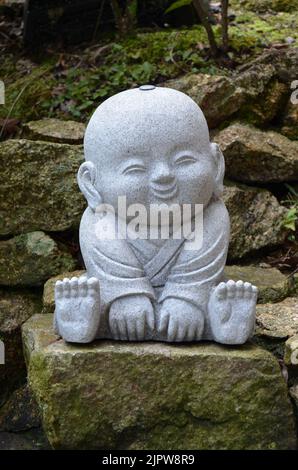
{"x": 186, "y": 54}
{"x": 178, "y": 4}
{"x": 290, "y": 226}
{"x": 147, "y": 67}
{"x": 291, "y": 219}
{"x": 292, "y": 213}
{"x": 291, "y": 189}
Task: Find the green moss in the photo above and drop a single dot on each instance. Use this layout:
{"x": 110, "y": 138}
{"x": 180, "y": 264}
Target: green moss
{"x": 26, "y": 94}
{"x": 144, "y": 57}
{"x": 265, "y": 5}
{"x": 156, "y": 396}
{"x": 32, "y": 258}
{"x": 263, "y": 109}
{"x": 127, "y": 62}
{"x": 164, "y": 397}
{"x": 54, "y": 166}
{"x": 254, "y": 31}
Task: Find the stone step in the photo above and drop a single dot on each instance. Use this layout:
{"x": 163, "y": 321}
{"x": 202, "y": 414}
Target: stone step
{"x": 113, "y": 395}
{"x": 55, "y": 130}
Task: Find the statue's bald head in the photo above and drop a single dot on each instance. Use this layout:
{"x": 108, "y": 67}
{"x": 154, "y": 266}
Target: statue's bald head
{"x": 147, "y": 138}
{"x": 142, "y": 117}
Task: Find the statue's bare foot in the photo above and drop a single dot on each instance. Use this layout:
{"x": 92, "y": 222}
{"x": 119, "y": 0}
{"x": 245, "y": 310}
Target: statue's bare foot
{"x": 131, "y": 318}
{"x": 77, "y": 312}
{"x": 232, "y": 309}
{"x": 180, "y": 320}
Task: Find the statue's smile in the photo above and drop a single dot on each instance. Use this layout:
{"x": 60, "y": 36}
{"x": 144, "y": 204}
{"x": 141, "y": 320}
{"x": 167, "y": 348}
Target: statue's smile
{"x": 164, "y": 191}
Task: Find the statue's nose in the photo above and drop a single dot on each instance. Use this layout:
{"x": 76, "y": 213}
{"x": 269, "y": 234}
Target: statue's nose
{"x": 162, "y": 174}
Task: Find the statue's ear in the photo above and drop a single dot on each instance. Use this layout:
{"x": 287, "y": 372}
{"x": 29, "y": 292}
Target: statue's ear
{"x": 86, "y": 179}
{"x": 220, "y": 169}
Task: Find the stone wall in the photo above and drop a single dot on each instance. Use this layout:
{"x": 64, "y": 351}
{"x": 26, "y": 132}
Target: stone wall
{"x": 253, "y": 120}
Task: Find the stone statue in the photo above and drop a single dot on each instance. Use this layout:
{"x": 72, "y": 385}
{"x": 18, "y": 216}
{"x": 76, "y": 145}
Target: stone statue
{"x": 152, "y": 146}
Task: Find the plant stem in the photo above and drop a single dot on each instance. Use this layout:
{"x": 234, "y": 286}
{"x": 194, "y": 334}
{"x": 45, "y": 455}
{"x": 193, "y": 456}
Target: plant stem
{"x": 125, "y": 21}
{"x": 204, "y": 17}
{"x": 225, "y": 24}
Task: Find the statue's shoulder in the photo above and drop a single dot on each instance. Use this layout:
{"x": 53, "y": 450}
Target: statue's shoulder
{"x": 88, "y": 218}
{"x": 217, "y": 213}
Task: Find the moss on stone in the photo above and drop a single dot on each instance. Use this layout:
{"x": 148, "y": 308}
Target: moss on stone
{"x": 30, "y": 259}
{"x": 256, "y": 219}
{"x": 146, "y": 56}
{"x": 54, "y": 130}
{"x": 290, "y": 121}
{"x": 16, "y": 306}
{"x": 46, "y": 193}
{"x": 26, "y": 95}
{"x": 265, "y": 5}
{"x": 218, "y": 96}
{"x": 158, "y": 396}
{"x": 263, "y": 110}
{"x": 247, "y": 149}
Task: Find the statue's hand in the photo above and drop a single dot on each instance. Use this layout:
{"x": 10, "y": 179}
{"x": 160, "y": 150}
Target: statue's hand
{"x": 180, "y": 320}
{"x": 77, "y": 310}
{"x": 131, "y": 317}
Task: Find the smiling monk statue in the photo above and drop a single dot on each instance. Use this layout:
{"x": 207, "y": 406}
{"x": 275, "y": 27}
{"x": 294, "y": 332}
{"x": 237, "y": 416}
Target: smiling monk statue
{"x": 151, "y": 147}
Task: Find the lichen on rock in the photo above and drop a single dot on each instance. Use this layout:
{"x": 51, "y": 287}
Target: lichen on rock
{"x": 218, "y": 96}
{"x": 39, "y": 187}
{"x": 54, "y": 130}
{"x": 254, "y": 156}
{"x": 279, "y": 320}
{"x": 290, "y": 121}
{"x": 256, "y": 219}
{"x": 30, "y": 259}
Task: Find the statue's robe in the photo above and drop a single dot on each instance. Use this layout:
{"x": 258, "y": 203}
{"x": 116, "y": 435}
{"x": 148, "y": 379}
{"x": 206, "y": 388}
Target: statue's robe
{"x": 158, "y": 269}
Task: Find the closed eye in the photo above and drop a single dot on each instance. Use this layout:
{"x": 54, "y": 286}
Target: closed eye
{"x": 136, "y": 168}
{"x": 185, "y": 159}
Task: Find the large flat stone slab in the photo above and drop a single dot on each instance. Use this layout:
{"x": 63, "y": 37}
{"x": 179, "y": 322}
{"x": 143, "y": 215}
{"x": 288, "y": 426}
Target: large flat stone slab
{"x": 113, "y": 395}
{"x": 55, "y": 130}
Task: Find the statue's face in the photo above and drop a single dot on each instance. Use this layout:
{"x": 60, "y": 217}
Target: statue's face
{"x": 152, "y": 147}
{"x": 154, "y": 171}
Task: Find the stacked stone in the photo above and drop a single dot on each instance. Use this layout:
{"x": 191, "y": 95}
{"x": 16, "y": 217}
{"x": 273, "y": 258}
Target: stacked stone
{"x": 253, "y": 120}
{"x": 39, "y": 199}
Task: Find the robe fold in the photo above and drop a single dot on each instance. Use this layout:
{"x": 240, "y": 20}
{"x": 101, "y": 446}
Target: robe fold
{"x": 159, "y": 269}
